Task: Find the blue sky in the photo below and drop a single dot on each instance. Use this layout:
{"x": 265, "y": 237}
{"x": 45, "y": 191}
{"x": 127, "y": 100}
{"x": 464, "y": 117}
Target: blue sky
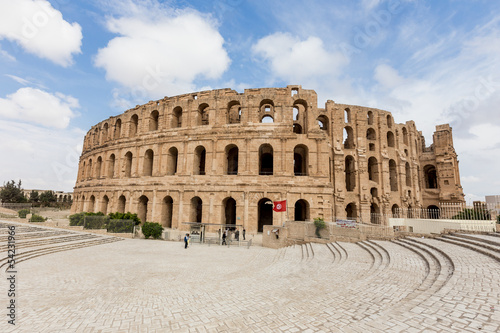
{"x": 66, "y": 65}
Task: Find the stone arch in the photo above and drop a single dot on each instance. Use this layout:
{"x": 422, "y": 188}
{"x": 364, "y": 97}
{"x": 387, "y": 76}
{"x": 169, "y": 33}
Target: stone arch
{"x": 390, "y": 139}
{"x": 142, "y": 208}
{"x": 98, "y": 167}
{"x": 430, "y": 176}
{"x": 134, "y": 125}
{"x": 350, "y": 178}
{"x": 351, "y": 211}
{"x": 301, "y": 210}
{"x": 395, "y": 211}
{"x": 348, "y": 137}
{"x": 347, "y": 115}
{"x": 300, "y": 160}
{"x": 82, "y": 203}
{"x": 369, "y": 117}
{"x": 90, "y": 170}
{"x": 264, "y": 214}
{"x": 393, "y": 175}
{"x": 91, "y": 208}
{"x": 200, "y": 155}
{"x": 167, "y": 208}
{"x": 153, "y": 120}
{"x": 323, "y": 123}
{"x": 375, "y": 214}
{"x": 373, "y": 173}
{"x": 111, "y": 166}
{"x": 297, "y": 129}
{"x": 122, "y": 202}
{"x": 233, "y": 112}
{"x": 177, "y": 117}
{"x": 118, "y": 129}
{"x": 266, "y": 159}
{"x": 148, "y": 163}
{"x": 267, "y": 119}
{"x": 229, "y": 211}
{"x": 172, "y": 160}
{"x": 128, "y": 164}
{"x": 196, "y": 212}
{"x": 405, "y": 136}
{"x": 232, "y": 153}
{"x": 371, "y": 134}
{"x": 105, "y": 133}
{"x": 389, "y": 121}
{"x": 104, "y": 205}
{"x": 434, "y": 212}
{"x": 203, "y": 114}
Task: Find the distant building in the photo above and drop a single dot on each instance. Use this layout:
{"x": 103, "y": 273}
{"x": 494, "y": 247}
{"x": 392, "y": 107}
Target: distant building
{"x": 60, "y": 195}
{"x": 493, "y": 202}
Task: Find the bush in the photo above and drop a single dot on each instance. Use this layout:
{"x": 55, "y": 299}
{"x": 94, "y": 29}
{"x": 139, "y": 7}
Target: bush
{"x": 473, "y": 214}
{"x": 151, "y": 229}
{"x": 23, "y": 212}
{"x": 498, "y": 218}
{"x": 119, "y": 226}
{"x": 37, "y": 218}
{"x": 319, "y": 223}
{"x": 125, "y": 216}
{"x": 78, "y": 219}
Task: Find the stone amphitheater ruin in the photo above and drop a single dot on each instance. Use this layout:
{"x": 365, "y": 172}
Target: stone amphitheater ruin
{"x": 219, "y": 156}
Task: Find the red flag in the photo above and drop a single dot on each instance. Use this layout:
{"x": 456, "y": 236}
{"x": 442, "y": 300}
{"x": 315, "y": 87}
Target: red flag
{"x": 279, "y": 206}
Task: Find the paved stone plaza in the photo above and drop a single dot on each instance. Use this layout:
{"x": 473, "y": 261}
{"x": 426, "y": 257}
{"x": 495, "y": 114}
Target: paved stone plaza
{"x": 108, "y": 284}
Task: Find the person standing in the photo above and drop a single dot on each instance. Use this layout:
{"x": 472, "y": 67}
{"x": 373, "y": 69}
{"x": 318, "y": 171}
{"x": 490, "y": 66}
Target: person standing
{"x": 186, "y": 240}
{"x": 237, "y": 235}
{"x": 244, "y": 232}
{"x": 224, "y": 235}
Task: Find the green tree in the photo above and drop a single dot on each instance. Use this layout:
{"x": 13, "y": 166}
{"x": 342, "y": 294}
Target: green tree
{"x": 473, "y": 214}
{"x": 12, "y": 193}
{"x": 48, "y": 197}
{"x": 34, "y": 196}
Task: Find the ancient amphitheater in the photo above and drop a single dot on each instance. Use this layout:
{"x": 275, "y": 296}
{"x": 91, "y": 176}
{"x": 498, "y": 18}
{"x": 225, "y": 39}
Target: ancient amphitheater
{"x": 219, "y": 156}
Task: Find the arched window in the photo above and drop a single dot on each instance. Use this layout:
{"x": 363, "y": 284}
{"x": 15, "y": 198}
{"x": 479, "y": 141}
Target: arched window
{"x": 98, "y": 167}
{"x": 266, "y": 160}
{"x": 370, "y": 134}
{"x": 148, "y": 163}
{"x": 389, "y": 121}
{"x": 430, "y": 176}
{"x": 351, "y": 211}
{"x": 196, "y": 214}
{"x": 142, "y": 208}
{"x": 300, "y": 153}
{"x": 297, "y": 129}
{"x": 390, "y": 139}
{"x": 370, "y": 118}
{"x": 118, "y": 129}
{"x": 347, "y": 116}
{"x": 111, "y": 166}
{"x": 295, "y": 113}
{"x": 167, "y": 212}
{"x": 371, "y": 146}
{"x": 105, "y": 133}
{"x": 405, "y": 136}
{"x": 301, "y": 210}
{"x": 104, "y": 205}
{"x": 233, "y": 112}
{"x": 172, "y": 157}
{"x": 408, "y": 174}
{"x": 393, "y": 175}
{"x": 232, "y": 159}
{"x": 128, "y": 164}
{"x": 90, "y": 170}
{"x": 153, "y": 121}
{"x": 91, "y": 204}
{"x": 267, "y": 119}
{"x": 373, "y": 169}
{"x": 348, "y": 138}
{"x": 134, "y": 125}
{"x": 199, "y": 160}
{"x": 121, "y": 204}
{"x": 177, "y": 117}
{"x": 203, "y": 114}
{"x": 323, "y": 123}
{"x": 350, "y": 178}
{"x": 395, "y": 211}
{"x": 374, "y": 192}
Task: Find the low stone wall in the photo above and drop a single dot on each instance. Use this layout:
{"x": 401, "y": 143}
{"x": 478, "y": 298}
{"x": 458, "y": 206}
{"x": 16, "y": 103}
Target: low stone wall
{"x": 425, "y": 226}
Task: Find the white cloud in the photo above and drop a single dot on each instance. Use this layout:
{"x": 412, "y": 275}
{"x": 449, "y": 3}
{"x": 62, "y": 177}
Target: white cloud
{"x": 160, "y": 51}
{"x": 40, "y": 107}
{"x": 18, "y": 79}
{"x": 40, "y": 29}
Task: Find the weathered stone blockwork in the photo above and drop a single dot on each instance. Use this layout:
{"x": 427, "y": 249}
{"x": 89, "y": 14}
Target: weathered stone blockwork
{"x": 218, "y": 156}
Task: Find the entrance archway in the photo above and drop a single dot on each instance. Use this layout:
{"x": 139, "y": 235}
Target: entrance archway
{"x": 265, "y": 213}
{"x": 301, "y": 210}
{"x": 142, "y": 209}
{"x": 229, "y": 211}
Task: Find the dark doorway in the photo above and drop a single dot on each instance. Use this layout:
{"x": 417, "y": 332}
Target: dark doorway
{"x": 265, "y": 214}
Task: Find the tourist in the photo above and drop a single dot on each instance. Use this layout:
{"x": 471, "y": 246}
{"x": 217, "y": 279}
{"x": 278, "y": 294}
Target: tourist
{"x": 244, "y": 232}
{"x": 186, "y": 241}
{"x": 224, "y": 235}
{"x": 237, "y": 235}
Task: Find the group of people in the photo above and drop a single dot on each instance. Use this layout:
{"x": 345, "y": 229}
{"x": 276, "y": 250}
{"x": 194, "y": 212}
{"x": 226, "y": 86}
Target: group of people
{"x": 225, "y": 235}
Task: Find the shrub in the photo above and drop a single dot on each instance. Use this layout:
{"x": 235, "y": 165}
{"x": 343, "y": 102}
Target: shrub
{"x": 37, "y": 218}
{"x": 498, "y": 218}
{"x": 151, "y": 229}
{"x": 473, "y": 214}
{"x": 23, "y": 212}
{"x": 78, "y": 219}
{"x": 319, "y": 223}
{"x": 125, "y": 216}
{"x": 119, "y": 226}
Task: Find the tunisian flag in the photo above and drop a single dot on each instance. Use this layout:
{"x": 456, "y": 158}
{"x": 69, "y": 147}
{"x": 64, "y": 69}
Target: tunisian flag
{"x": 279, "y": 206}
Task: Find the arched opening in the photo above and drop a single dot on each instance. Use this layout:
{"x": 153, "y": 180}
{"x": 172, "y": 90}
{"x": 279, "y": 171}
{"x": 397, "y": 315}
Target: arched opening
{"x": 266, "y": 160}
{"x": 408, "y": 174}
{"x": 196, "y": 209}
{"x": 348, "y": 138}
{"x": 232, "y": 153}
{"x": 374, "y": 192}
{"x": 371, "y": 147}
{"x": 370, "y": 134}
{"x": 370, "y": 118}
{"x": 153, "y": 121}
{"x": 373, "y": 173}
{"x": 323, "y": 123}
{"x": 90, "y": 170}
{"x": 200, "y": 155}
{"x": 350, "y": 179}
{"x": 172, "y": 157}
{"x": 300, "y": 160}
{"x": 104, "y": 205}
{"x": 433, "y": 212}
{"x": 390, "y": 139}
{"x": 105, "y": 133}
{"x": 98, "y": 167}
{"x": 389, "y": 121}
{"x": 233, "y": 112}
{"x": 177, "y": 117}
{"x": 229, "y": 205}
{"x": 148, "y": 163}
{"x": 134, "y": 125}
{"x": 118, "y": 129}
{"x": 128, "y": 164}
{"x": 295, "y": 113}
{"x": 297, "y": 129}
{"x": 395, "y": 211}
{"x": 301, "y": 210}
{"x": 121, "y": 204}
{"x": 142, "y": 208}
{"x": 83, "y": 170}
{"x": 91, "y": 204}
{"x": 375, "y": 214}
{"x": 405, "y": 136}
{"x": 166, "y": 212}
{"x": 430, "y": 176}
{"x": 267, "y": 119}
{"x": 203, "y": 114}
{"x": 265, "y": 213}
{"x": 350, "y": 211}
{"x": 347, "y": 116}
{"x": 111, "y": 166}
{"x": 393, "y": 175}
